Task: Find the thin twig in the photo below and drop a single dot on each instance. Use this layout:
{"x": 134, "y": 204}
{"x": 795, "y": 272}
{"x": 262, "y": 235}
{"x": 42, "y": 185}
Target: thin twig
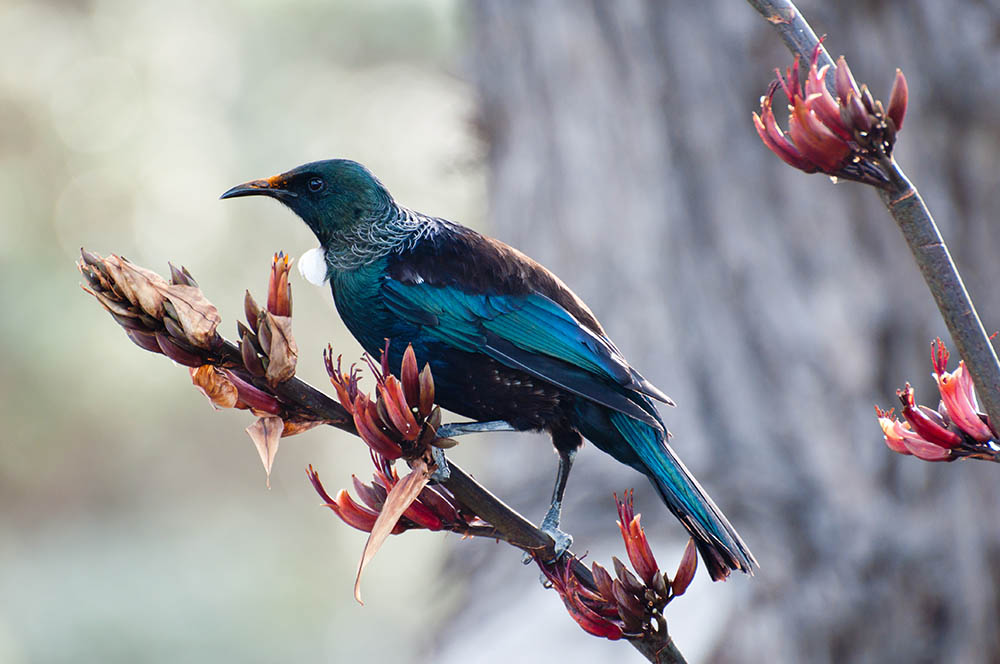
{"x": 914, "y": 220}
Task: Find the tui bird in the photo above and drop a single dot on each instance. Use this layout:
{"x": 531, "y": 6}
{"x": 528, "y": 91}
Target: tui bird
{"x": 509, "y": 344}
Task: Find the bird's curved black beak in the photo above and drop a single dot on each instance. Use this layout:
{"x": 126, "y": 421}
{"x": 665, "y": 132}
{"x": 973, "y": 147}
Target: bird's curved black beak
{"x": 273, "y": 187}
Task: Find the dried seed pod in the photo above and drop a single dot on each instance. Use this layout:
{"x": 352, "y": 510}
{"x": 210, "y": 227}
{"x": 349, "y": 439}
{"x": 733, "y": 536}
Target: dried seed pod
{"x": 128, "y": 322}
{"x": 629, "y": 608}
{"x": 256, "y": 399}
{"x": 190, "y": 279}
{"x": 629, "y": 579}
{"x": 91, "y": 259}
{"x": 176, "y": 276}
{"x": 170, "y": 310}
{"x": 242, "y": 331}
{"x": 180, "y": 276}
{"x": 379, "y": 492}
{"x": 368, "y": 495}
{"x": 92, "y": 278}
{"x": 251, "y": 311}
{"x": 282, "y": 352}
{"x": 426, "y": 391}
{"x": 179, "y": 355}
{"x": 196, "y": 314}
{"x": 660, "y": 583}
{"x": 173, "y": 328}
{"x": 144, "y": 287}
{"x": 264, "y": 335}
{"x": 251, "y": 360}
{"x": 115, "y": 307}
{"x": 603, "y": 581}
{"x": 144, "y": 340}
{"x": 150, "y": 323}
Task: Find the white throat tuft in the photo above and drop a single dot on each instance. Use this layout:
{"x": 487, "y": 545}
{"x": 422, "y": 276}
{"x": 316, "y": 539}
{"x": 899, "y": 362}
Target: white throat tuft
{"x": 312, "y": 266}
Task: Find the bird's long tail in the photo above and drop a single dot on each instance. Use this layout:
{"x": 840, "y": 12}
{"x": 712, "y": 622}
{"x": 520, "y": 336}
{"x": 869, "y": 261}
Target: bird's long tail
{"x": 644, "y": 448}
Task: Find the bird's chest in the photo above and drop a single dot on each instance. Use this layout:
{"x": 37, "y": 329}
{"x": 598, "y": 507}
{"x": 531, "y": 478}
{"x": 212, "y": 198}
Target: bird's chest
{"x": 357, "y": 295}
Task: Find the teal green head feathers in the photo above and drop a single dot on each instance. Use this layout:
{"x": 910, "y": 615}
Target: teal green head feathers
{"x": 337, "y": 198}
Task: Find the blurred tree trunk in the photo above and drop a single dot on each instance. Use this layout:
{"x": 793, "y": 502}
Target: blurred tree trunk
{"x": 774, "y": 307}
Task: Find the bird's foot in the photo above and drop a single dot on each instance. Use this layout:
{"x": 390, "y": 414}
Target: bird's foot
{"x": 550, "y": 526}
{"x": 442, "y": 472}
{"x": 563, "y": 541}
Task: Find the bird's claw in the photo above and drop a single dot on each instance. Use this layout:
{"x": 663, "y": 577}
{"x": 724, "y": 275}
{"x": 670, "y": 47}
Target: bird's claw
{"x": 563, "y": 541}
{"x": 550, "y": 526}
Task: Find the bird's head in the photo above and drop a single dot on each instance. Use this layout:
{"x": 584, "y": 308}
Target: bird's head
{"x": 331, "y": 196}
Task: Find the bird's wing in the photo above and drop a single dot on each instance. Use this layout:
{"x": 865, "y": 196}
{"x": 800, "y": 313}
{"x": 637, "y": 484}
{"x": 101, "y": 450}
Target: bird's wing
{"x": 528, "y": 332}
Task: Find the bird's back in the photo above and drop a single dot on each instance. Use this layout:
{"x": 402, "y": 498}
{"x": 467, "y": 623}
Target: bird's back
{"x": 455, "y": 256}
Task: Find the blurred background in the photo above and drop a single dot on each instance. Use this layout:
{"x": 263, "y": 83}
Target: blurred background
{"x": 612, "y": 142}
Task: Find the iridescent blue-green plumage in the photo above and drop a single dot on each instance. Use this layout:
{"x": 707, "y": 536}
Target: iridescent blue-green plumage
{"x": 505, "y": 338}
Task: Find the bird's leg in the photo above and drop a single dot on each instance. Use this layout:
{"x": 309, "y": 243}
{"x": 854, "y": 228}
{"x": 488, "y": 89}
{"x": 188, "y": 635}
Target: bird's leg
{"x": 550, "y": 524}
{"x": 461, "y": 428}
{"x": 567, "y": 452}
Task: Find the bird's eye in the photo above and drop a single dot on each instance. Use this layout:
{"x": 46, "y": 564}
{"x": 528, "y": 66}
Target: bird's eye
{"x": 316, "y": 185}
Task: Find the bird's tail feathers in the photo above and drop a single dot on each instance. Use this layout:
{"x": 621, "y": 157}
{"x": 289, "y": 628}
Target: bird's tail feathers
{"x": 646, "y": 449}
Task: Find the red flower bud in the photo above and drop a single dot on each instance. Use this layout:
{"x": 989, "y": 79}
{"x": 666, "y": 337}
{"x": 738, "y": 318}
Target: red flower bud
{"x": 392, "y": 397}
{"x": 370, "y": 431}
{"x": 897, "y": 100}
{"x": 426, "y": 391}
{"x": 636, "y": 544}
{"x": 409, "y": 376}
{"x": 279, "y": 293}
{"x": 841, "y": 136}
{"x": 686, "y": 569}
{"x": 924, "y": 425}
